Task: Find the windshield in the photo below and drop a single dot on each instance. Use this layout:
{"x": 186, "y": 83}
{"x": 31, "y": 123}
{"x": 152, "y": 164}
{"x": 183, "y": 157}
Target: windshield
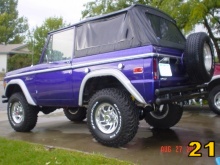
{"x": 165, "y": 29}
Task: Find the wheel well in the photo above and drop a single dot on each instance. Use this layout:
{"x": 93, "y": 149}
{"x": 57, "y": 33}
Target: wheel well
{"x": 98, "y": 83}
{"x": 14, "y": 88}
{"x": 213, "y": 84}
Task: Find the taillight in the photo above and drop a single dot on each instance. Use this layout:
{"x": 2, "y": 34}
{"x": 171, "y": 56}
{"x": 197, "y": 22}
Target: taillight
{"x": 155, "y": 69}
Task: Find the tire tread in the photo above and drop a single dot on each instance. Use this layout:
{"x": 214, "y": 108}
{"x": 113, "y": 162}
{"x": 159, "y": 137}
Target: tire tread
{"x": 30, "y": 118}
{"x": 129, "y": 113}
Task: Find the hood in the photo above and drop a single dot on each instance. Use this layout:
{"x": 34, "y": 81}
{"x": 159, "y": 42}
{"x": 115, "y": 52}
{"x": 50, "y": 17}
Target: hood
{"x": 19, "y": 71}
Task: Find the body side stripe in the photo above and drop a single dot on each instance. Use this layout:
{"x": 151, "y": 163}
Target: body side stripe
{"x": 81, "y": 64}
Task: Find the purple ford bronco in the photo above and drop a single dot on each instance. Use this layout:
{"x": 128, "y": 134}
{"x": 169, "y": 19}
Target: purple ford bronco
{"x": 114, "y": 70}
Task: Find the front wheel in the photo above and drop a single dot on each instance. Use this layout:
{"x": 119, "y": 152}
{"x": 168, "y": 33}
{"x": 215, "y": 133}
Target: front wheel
{"x": 214, "y": 100}
{"x": 21, "y": 115}
{"x": 165, "y": 116}
{"x": 112, "y": 117}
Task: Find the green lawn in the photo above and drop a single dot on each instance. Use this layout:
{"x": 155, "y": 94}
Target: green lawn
{"x": 19, "y": 152}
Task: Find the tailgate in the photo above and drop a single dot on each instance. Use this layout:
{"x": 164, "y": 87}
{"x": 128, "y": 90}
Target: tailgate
{"x": 171, "y": 71}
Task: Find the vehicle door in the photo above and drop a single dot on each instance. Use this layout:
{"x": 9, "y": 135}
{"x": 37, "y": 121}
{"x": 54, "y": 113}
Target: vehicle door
{"x": 54, "y": 74}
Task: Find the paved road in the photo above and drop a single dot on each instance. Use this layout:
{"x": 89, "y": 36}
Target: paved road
{"x": 148, "y": 147}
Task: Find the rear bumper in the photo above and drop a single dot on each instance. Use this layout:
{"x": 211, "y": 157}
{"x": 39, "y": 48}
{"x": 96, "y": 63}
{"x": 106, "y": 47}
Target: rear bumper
{"x": 179, "y": 94}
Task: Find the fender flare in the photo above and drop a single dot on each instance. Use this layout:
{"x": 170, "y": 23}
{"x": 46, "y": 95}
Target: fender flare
{"x": 213, "y": 82}
{"x": 119, "y": 76}
{"x": 214, "y": 78}
{"x": 24, "y": 89}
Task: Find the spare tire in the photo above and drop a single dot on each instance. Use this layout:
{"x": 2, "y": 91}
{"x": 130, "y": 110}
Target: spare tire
{"x": 199, "y": 57}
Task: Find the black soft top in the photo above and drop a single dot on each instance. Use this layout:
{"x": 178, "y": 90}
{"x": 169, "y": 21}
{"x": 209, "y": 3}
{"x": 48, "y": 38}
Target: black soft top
{"x": 137, "y": 25}
{"x": 150, "y": 9}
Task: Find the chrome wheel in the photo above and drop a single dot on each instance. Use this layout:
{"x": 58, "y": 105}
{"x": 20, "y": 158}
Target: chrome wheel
{"x": 21, "y": 115}
{"x": 207, "y": 57}
{"x": 217, "y": 100}
{"x": 161, "y": 112}
{"x": 76, "y": 114}
{"x": 106, "y": 118}
{"x": 112, "y": 117}
{"x": 73, "y": 111}
{"x": 17, "y": 112}
{"x": 165, "y": 116}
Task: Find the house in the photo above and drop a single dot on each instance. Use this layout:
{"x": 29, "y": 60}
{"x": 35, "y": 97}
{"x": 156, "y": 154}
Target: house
{"x": 9, "y": 50}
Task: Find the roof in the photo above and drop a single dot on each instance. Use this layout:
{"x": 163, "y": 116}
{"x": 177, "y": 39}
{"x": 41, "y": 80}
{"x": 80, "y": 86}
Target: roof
{"x": 124, "y": 10}
{"x": 135, "y": 26}
{"x": 150, "y": 8}
{"x": 14, "y": 49}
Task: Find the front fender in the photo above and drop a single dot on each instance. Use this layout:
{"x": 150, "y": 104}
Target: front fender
{"x": 118, "y": 75}
{"x": 24, "y": 89}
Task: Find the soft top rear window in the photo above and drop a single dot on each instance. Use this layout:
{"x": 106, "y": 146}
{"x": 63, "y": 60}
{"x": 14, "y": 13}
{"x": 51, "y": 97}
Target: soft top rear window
{"x": 102, "y": 32}
{"x": 165, "y": 29}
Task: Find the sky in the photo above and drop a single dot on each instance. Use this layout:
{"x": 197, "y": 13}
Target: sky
{"x": 36, "y": 11}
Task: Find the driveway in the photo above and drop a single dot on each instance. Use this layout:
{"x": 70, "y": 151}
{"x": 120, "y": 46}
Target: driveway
{"x": 148, "y": 147}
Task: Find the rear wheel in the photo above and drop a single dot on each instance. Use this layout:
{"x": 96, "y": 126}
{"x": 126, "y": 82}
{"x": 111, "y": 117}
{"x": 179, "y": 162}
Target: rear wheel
{"x": 214, "y": 100}
{"x": 112, "y": 117}
{"x": 165, "y": 116}
{"x": 21, "y": 115}
{"x": 47, "y": 110}
{"x": 75, "y": 114}
{"x": 199, "y": 57}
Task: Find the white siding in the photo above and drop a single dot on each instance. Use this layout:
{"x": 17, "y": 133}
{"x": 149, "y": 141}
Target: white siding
{"x": 3, "y": 63}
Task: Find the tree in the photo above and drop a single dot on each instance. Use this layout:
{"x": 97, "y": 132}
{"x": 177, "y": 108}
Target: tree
{"x": 187, "y": 13}
{"x": 190, "y": 13}
{"x": 19, "y": 61}
{"x": 206, "y": 13}
{"x": 98, "y": 7}
{"x": 38, "y": 38}
{"x": 12, "y": 27}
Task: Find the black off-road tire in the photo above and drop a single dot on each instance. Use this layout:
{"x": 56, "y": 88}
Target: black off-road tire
{"x": 194, "y": 58}
{"x": 168, "y": 117}
{"x": 122, "y": 110}
{"x": 46, "y": 110}
{"x": 214, "y": 100}
{"x": 77, "y": 114}
{"x": 21, "y": 115}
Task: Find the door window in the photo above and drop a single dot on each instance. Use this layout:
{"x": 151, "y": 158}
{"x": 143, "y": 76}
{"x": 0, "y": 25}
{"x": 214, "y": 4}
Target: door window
{"x": 59, "y": 47}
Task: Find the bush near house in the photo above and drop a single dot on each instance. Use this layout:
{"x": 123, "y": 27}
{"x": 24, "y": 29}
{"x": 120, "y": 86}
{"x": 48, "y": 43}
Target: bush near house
{"x": 19, "y": 61}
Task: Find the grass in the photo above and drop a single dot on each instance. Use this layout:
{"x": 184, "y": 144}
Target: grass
{"x": 19, "y": 152}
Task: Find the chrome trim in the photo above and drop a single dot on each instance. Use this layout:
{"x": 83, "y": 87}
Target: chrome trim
{"x": 115, "y": 60}
{"x": 39, "y": 71}
{"x": 23, "y": 88}
{"x": 167, "y": 55}
{"x": 115, "y": 73}
{"x": 82, "y": 64}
